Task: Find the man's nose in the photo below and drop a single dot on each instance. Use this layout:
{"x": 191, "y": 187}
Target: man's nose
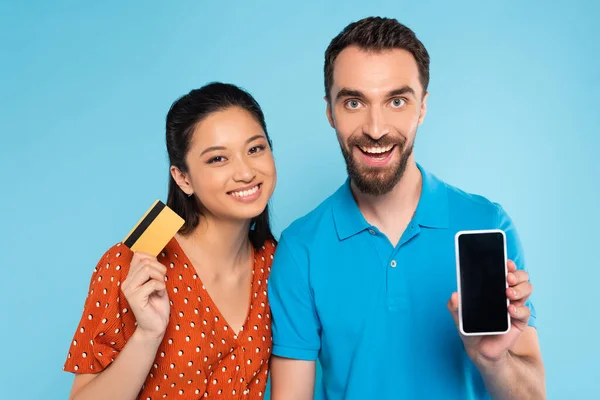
{"x": 376, "y": 126}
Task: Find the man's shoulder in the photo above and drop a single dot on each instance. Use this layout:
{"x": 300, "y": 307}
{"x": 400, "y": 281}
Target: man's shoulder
{"x": 462, "y": 203}
{"x": 308, "y": 225}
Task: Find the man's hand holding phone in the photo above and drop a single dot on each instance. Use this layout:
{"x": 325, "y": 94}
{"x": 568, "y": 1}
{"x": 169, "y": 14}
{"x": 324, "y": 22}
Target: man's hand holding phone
{"x": 489, "y": 308}
{"x": 491, "y": 348}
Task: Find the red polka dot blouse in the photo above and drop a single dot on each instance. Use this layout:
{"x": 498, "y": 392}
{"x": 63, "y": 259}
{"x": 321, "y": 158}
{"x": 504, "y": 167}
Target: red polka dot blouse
{"x": 200, "y": 355}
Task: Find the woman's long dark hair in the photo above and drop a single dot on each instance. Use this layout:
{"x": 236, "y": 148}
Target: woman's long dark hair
{"x": 184, "y": 115}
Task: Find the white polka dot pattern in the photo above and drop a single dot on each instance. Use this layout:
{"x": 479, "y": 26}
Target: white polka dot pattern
{"x": 200, "y": 355}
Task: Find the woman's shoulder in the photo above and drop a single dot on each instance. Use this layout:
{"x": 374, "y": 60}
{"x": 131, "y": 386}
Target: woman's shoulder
{"x": 268, "y": 247}
{"x": 118, "y": 251}
{"x": 263, "y": 256}
{"x": 115, "y": 260}
{"x": 100, "y": 334}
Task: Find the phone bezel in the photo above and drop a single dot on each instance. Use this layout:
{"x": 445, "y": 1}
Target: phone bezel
{"x": 457, "y": 251}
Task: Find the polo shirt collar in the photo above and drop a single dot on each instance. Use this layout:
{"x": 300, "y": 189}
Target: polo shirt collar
{"x": 432, "y": 210}
{"x": 347, "y": 217}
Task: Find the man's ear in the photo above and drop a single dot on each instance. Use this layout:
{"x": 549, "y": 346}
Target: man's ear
{"x": 423, "y": 108}
{"x": 329, "y": 113}
{"x": 182, "y": 180}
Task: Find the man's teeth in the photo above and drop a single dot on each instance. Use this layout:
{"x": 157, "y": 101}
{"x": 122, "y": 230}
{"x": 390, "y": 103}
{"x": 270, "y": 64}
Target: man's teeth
{"x": 245, "y": 193}
{"x": 376, "y": 150}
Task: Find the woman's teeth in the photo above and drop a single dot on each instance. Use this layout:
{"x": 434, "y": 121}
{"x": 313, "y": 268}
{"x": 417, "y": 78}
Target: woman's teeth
{"x": 375, "y": 150}
{"x": 245, "y": 193}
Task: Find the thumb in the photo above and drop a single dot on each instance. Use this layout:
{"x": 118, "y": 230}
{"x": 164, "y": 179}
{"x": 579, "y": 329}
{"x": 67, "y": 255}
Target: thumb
{"x": 453, "y": 307}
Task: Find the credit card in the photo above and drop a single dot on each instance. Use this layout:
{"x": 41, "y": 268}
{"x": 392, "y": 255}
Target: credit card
{"x": 156, "y": 228}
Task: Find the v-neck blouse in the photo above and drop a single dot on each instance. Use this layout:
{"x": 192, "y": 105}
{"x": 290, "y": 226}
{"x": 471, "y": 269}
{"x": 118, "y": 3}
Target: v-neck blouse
{"x": 200, "y": 355}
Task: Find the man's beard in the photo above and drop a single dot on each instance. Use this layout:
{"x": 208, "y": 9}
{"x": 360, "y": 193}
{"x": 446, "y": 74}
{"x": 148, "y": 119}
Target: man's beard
{"x": 376, "y": 181}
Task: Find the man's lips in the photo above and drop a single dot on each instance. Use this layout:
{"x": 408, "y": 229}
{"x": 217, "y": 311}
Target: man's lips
{"x": 376, "y": 150}
{"x": 376, "y": 156}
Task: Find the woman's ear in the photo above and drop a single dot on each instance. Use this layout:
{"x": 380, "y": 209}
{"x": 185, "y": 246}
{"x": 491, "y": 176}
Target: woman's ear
{"x": 181, "y": 179}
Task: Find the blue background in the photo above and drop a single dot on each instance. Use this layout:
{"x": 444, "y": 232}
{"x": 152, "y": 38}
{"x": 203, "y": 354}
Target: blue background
{"x": 85, "y": 87}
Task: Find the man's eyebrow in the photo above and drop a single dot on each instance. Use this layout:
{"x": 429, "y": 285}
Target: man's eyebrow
{"x": 345, "y": 92}
{"x": 401, "y": 91}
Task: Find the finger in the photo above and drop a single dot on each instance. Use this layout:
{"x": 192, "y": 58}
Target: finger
{"x": 140, "y": 255}
{"x": 518, "y": 303}
{"x": 148, "y": 270}
{"x": 520, "y": 292}
{"x": 136, "y": 261}
{"x": 159, "y": 266}
{"x": 150, "y": 287}
{"x": 149, "y": 261}
{"x": 519, "y": 315}
{"x": 517, "y": 277}
{"x": 511, "y": 266}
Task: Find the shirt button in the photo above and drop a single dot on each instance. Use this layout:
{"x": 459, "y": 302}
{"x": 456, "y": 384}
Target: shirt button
{"x": 371, "y": 231}
{"x": 393, "y": 264}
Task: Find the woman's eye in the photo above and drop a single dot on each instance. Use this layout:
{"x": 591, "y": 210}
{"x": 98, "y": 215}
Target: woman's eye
{"x": 216, "y": 159}
{"x": 396, "y": 103}
{"x": 256, "y": 149}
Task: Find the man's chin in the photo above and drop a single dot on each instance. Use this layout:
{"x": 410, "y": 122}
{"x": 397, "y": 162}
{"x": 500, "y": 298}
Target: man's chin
{"x": 374, "y": 184}
{"x": 379, "y": 174}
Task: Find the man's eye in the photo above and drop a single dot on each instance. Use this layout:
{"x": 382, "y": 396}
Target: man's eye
{"x": 397, "y": 103}
{"x": 353, "y": 104}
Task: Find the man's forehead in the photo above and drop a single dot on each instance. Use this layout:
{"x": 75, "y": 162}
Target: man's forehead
{"x": 375, "y": 71}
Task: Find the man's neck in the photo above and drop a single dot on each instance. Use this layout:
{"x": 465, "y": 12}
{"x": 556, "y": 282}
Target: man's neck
{"x": 392, "y": 211}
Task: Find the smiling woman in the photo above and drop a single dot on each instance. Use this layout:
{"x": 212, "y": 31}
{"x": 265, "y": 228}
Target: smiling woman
{"x": 231, "y": 151}
{"x": 194, "y": 321}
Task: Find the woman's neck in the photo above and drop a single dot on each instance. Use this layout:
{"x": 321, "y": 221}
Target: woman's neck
{"x": 222, "y": 245}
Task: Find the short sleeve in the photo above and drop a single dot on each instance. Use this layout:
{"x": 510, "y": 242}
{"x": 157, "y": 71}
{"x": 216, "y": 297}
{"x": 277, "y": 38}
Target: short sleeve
{"x": 296, "y": 327}
{"x": 101, "y": 333}
{"x": 514, "y": 249}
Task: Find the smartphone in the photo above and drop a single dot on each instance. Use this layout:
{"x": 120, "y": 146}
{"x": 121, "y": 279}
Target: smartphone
{"x": 481, "y": 279}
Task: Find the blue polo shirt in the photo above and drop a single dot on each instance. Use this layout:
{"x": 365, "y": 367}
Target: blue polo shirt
{"x": 375, "y": 315}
